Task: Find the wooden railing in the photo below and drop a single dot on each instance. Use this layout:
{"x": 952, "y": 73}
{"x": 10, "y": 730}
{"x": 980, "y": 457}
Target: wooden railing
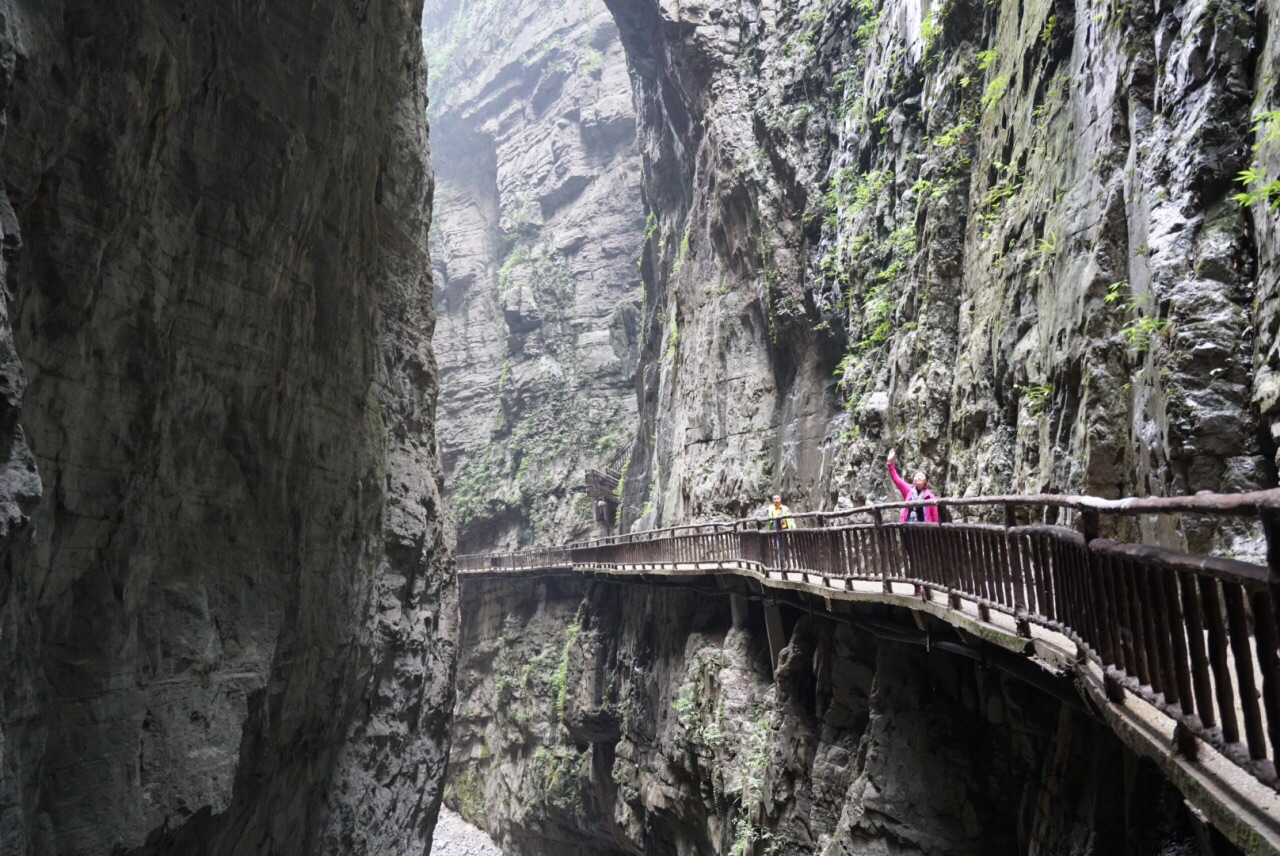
{"x": 1195, "y": 636}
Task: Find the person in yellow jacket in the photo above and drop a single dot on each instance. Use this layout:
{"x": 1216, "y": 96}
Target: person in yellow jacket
{"x": 779, "y": 519}
{"x": 779, "y": 515}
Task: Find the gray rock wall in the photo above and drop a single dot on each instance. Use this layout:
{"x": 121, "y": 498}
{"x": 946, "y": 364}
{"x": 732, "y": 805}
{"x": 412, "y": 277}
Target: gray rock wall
{"x": 1001, "y": 237}
{"x": 539, "y": 222}
{"x": 227, "y": 613}
{"x": 607, "y": 719}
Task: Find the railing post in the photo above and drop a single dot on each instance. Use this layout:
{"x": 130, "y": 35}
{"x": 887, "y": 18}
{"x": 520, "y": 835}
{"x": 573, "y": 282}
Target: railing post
{"x": 1090, "y": 525}
{"x": 1014, "y": 555}
{"x": 1091, "y": 529}
{"x": 882, "y": 549}
{"x": 1267, "y": 632}
{"x": 1271, "y": 529}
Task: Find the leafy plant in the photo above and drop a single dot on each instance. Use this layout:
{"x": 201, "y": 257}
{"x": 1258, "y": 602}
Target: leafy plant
{"x": 681, "y": 253}
{"x": 851, "y": 192}
{"x": 1046, "y": 33}
{"x": 1037, "y": 396}
{"x": 1140, "y": 332}
{"x": 870, "y": 21}
{"x": 591, "y": 60}
{"x": 995, "y": 91}
{"x": 929, "y": 30}
{"x": 1258, "y": 187}
{"x": 993, "y": 200}
{"x": 746, "y": 833}
{"x": 957, "y": 134}
{"x": 518, "y": 256}
{"x": 1144, "y": 324}
{"x": 561, "y": 675}
{"x": 1046, "y": 250}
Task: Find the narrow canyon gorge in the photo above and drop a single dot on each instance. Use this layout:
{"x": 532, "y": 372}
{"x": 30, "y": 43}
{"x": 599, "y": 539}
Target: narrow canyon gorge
{"x": 316, "y": 313}
{"x": 1002, "y": 238}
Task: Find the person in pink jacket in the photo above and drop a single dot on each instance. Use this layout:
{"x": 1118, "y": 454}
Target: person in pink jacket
{"x": 912, "y": 492}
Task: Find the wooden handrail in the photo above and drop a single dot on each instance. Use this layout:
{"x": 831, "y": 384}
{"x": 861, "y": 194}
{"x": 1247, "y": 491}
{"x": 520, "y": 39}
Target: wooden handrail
{"x": 1183, "y": 631}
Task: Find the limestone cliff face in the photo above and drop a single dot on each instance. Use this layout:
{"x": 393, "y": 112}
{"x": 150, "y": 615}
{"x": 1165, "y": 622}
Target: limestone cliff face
{"x": 227, "y": 614}
{"x": 602, "y": 719}
{"x": 1001, "y": 237}
{"x": 539, "y": 223}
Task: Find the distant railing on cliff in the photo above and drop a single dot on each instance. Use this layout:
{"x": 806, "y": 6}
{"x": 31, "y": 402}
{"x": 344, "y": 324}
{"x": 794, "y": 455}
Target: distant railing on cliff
{"x": 1193, "y": 635}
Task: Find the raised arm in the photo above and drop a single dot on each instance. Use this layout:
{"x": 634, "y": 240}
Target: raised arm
{"x": 903, "y": 487}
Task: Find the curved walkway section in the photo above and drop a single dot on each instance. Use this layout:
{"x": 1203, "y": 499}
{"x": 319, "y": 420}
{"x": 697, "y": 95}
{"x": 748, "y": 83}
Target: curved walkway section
{"x": 1178, "y": 653}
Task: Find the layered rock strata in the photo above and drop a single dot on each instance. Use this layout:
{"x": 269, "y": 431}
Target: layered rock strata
{"x": 538, "y": 225}
{"x": 1001, "y": 237}
{"x": 227, "y": 611}
{"x": 609, "y": 719}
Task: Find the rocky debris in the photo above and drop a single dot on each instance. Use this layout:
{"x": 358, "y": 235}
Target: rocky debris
{"x": 455, "y": 837}
{"x": 538, "y": 225}
{"x": 227, "y": 612}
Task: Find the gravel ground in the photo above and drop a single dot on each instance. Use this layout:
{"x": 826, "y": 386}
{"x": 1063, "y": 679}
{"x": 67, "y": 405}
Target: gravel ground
{"x": 455, "y": 837}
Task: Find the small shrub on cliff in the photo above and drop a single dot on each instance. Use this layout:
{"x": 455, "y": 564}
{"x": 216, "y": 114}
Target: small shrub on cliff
{"x": 1258, "y": 187}
{"x": 1036, "y": 397}
{"x": 1047, "y": 249}
{"x": 465, "y": 794}
{"x": 1139, "y": 333}
{"x": 554, "y": 775}
{"x": 696, "y": 708}
{"x": 591, "y": 60}
{"x": 754, "y": 762}
{"x": 561, "y": 675}
{"x": 995, "y": 91}
{"x": 1144, "y": 323}
{"x": 929, "y": 30}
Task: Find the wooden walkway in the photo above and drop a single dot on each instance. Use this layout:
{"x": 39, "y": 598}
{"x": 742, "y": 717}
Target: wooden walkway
{"x": 1178, "y": 653}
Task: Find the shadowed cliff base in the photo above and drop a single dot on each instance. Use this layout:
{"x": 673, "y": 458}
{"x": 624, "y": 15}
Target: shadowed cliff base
{"x": 663, "y": 731}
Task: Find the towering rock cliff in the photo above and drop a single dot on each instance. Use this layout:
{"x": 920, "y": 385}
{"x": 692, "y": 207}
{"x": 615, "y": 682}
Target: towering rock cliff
{"x": 539, "y": 223}
{"x": 227, "y": 612}
{"x": 1001, "y": 237}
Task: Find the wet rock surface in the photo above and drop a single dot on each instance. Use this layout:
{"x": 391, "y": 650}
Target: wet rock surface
{"x": 538, "y": 226}
{"x": 1000, "y": 237}
{"x": 227, "y": 610}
